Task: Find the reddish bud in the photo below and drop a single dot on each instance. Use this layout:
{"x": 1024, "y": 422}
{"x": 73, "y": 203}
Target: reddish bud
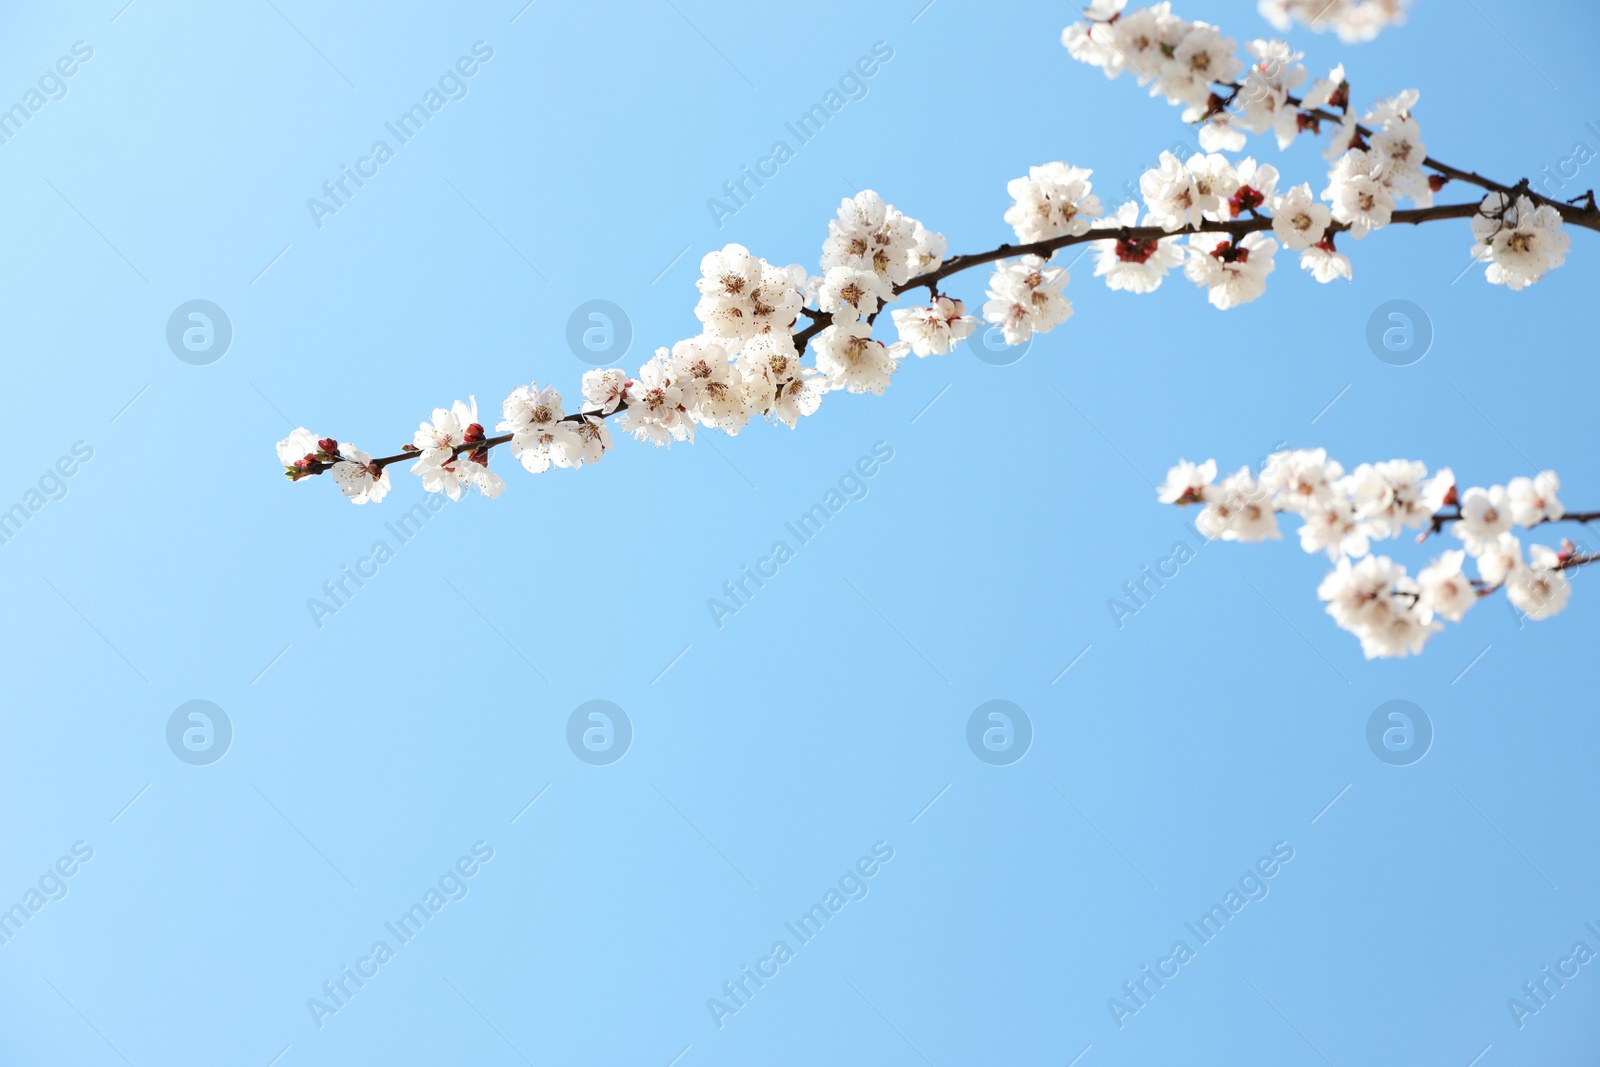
{"x": 1135, "y": 250}
{"x": 329, "y": 445}
{"x": 1450, "y": 497}
{"x": 1246, "y": 199}
{"x": 1307, "y": 121}
{"x": 1231, "y": 253}
{"x": 1341, "y": 96}
{"x": 1437, "y": 181}
{"x": 474, "y": 433}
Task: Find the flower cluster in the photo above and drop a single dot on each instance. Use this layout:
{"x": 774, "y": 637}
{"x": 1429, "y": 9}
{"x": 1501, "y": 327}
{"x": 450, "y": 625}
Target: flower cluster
{"x": 1376, "y": 159}
{"x": 1025, "y": 299}
{"x": 1519, "y": 241}
{"x": 1342, "y": 514}
{"x": 1177, "y": 58}
{"x": 746, "y": 362}
{"x": 1052, "y": 200}
{"x": 354, "y": 472}
{"x": 1221, "y": 219}
{"x": 1352, "y": 20}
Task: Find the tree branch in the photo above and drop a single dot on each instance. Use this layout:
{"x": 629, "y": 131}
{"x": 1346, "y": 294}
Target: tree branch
{"x": 821, "y": 320}
{"x": 1444, "y": 518}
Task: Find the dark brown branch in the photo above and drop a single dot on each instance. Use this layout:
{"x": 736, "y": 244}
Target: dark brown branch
{"x": 1444, "y": 518}
{"x": 1235, "y": 228}
{"x": 1585, "y": 215}
{"x": 821, "y": 320}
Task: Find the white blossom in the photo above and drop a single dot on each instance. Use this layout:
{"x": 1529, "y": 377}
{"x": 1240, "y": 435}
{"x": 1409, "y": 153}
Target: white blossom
{"x": 1052, "y": 201}
{"x": 934, "y": 329}
{"x": 436, "y": 441}
{"x": 534, "y": 418}
{"x": 656, "y": 410}
{"x": 1371, "y": 596}
{"x": 1534, "y": 500}
{"x": 1264, "y": 95}
{"x": 1323, "y": 90}
{"x": 1325, "y": 262}
{"x": 1359, "y": 198}
{"x": 850, "y": 293}
{"x": 1025, "y": 298}
{"x": 603, "y": 390}
{"x": 782, "y": 388}
{"x": 1137, "y": 264}
{"x": 851, "y": 360}
{"x": 1498, "y": 558}
{"x": 300, "y": 446}
{"x": 358, "y": 477}
{"x": 1238, "y": 510}
{"x": 1298, "y": 220}
{"x": 1374, "y": 600}
{"x": 587, "y": 442}
{"x": 1540, "y": 589}
{"x": 712, "y": 390}
{"x": 1232, "y": 274}
{"x": 1444, "y": 590}
{"x": 870, "y": 235}
{"x": 1520, "y": 242}
{"x": 1485, "y": 514}
{"x": 1352, "y": 20}
{"x": 742, "y": 296}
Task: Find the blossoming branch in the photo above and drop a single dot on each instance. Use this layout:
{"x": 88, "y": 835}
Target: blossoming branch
{"x": 1342, "y": 514}
{"x": 1222, "y": 221}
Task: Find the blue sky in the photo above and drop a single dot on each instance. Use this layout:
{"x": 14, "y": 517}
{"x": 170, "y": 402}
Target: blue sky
{"x": 429, "y": 716}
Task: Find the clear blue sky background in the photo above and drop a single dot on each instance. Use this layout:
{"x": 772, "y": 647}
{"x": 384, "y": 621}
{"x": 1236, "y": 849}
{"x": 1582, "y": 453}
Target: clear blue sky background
{"x": 768, "y": 755}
